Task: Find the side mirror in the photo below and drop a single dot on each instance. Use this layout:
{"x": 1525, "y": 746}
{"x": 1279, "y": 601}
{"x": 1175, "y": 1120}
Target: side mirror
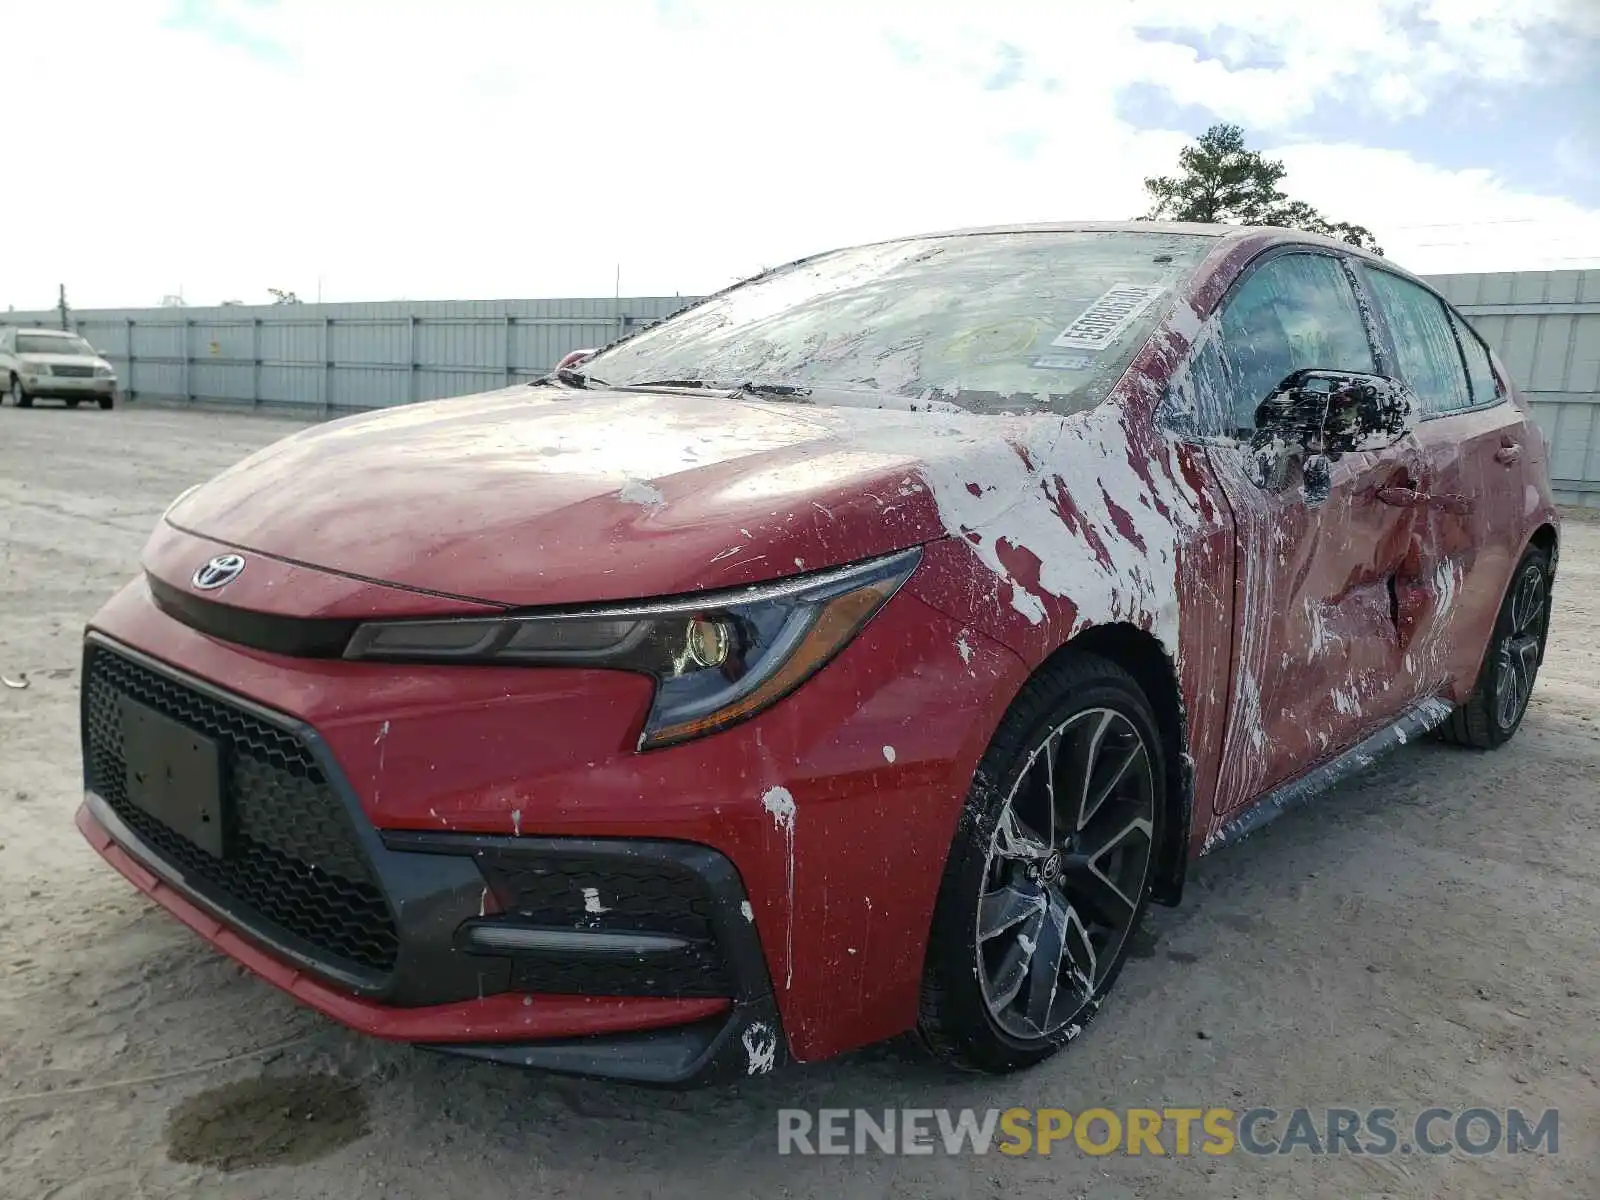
{"x": 574, "y": 358}
{"x": 1315, "y": 417}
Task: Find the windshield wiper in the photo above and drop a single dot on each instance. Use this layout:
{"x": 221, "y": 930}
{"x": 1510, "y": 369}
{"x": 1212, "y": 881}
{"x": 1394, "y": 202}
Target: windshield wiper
{"x": 767, "y": 391}
{"x": 774, "y": 391}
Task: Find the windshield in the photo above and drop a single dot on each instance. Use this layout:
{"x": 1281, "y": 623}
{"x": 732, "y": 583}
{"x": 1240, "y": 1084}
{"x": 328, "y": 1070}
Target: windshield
{"x": 992, "y": 322}
{"x": 35, "y": 343}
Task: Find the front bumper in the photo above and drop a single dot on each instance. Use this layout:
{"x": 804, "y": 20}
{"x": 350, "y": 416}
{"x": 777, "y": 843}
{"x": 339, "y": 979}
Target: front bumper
{"x": 67, "y": 387}
{"x": 374, "y": 930}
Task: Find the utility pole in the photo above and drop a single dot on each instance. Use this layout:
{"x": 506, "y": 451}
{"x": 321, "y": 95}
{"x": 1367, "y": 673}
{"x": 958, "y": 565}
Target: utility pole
{"x": 61, "y": 303}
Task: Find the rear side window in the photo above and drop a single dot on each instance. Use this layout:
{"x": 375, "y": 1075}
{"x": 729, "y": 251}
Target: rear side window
{"x": 1425, "y": 343}
{"x": 1480, "y": 374}
{"x": 1294, "y": 312}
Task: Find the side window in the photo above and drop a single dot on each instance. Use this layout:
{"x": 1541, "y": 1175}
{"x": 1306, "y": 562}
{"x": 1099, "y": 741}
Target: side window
{"x": 1424, "y": 342}
{"x": 1292, "y": 313}
{"x": 1480, "y": 373}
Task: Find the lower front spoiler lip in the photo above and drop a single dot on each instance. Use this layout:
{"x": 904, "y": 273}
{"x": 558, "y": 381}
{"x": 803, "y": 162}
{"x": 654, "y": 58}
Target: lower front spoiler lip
{"x": 747, "y": 1041}
{"x": 673, "y": 1042}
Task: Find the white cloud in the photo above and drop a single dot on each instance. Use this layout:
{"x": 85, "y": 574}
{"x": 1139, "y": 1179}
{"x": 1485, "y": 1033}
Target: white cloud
{"x": 494, "y": 148}
{"x": 1438, "y": 221}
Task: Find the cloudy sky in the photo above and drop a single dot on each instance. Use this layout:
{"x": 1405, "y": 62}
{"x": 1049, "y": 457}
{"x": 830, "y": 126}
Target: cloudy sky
{"x": 377, "y": 149}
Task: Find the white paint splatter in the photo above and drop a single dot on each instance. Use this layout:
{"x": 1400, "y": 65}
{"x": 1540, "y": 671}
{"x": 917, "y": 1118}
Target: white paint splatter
{"x": 964, "y": 649}
{"x": 638, "y": 491}
{"x": 745, "y": 911}
{"x": 1346, "y": 701}
{"x": 888, "y": 754}
{"x": 591, "y": 901}
{"x": 760, "y": 1048}
{"x": 780, "y": 804}
{"x": 382, "y": 743}
{"x": 1317, "y": 626}
{"x": 1065, "y": 491}
{"x": 516, "y": 821}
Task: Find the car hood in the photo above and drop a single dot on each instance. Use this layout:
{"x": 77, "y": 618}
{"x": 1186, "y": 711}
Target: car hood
{"x": 527, "y": 497}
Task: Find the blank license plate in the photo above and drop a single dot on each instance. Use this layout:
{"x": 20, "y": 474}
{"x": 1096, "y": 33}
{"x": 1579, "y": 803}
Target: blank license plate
{"x": 175, "y": 775}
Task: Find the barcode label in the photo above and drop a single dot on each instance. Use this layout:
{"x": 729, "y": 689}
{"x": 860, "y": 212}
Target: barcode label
{"x": 1099, "y": 325}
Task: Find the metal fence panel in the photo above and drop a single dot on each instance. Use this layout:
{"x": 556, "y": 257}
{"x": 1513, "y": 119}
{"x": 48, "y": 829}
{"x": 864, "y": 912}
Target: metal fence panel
{"x": 1545, "y": 325}
{"x": 322, "y": 358}
{"x": 341, "y": 357}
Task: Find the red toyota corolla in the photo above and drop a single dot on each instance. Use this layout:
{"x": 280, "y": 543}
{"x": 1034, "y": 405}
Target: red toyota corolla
{"x": 858, "y": 651}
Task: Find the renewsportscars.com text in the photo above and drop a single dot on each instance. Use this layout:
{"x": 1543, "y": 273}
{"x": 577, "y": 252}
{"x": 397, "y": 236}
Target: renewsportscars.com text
{"x": 1167, "y": 1131}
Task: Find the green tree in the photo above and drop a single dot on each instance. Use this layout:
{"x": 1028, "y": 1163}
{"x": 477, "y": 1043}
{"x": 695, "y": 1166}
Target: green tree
{"x": 1220, "y": 180}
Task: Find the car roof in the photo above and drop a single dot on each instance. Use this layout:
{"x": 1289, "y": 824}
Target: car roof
{"x": 45, "y": 331}
{"x": 1194, "y": 228}
{"x": 1255, "y": 237}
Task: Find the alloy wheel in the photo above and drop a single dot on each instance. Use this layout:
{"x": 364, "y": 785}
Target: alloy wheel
{"x": 1067, "y": 867}
{"x": 1522, "y": 646}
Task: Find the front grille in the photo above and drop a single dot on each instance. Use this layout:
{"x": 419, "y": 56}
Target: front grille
{"x": 293, "y": 861}
{"x": 70, "y": 372}
{"x": 611, "y": 893}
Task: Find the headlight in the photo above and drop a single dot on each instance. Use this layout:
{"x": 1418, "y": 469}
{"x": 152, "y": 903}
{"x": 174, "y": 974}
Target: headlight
{"x": 36, "y": 368}
{"x": 104, "y": 373}
{"x": 717, "y": 658}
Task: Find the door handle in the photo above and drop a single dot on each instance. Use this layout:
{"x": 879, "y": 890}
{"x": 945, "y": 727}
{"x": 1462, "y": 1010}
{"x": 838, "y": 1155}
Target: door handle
{"x": 1508, "y": 453}
{"x": 1402, "y": 497}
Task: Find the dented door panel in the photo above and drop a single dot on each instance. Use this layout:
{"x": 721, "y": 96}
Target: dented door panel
{"x": 1468, "y": 539}
{"x": 1317, "y": 660}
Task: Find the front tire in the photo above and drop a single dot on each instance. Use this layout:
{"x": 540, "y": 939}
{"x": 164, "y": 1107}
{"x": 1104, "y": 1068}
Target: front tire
{"x": 72, "y": 404}
{"x": 1050, "y": 871}
{"x": 107, "y": 403}
{"x": 19, "y": 395}
{"x": 1499, "y": 700}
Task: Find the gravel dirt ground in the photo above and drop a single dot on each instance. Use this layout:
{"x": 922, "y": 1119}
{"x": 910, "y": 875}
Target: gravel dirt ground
{"x": 1426, "y": 934}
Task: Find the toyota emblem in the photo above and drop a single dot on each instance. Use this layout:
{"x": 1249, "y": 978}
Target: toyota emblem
{"x": 223, "y": 569}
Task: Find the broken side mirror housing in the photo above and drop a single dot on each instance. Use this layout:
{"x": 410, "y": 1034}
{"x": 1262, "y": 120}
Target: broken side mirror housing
{"x": 1317, "y": 416}
{"x": 575, "y": 357}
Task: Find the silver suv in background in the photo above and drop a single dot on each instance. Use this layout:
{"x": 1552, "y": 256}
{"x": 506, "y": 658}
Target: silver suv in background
{"x": 52, "y": 364}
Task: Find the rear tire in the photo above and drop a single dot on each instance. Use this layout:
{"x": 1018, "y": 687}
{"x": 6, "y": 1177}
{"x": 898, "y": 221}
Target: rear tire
{"x": 1049, "y": 874}
{"x": 1493, "y": 713}
{"x": 72, "y": 404}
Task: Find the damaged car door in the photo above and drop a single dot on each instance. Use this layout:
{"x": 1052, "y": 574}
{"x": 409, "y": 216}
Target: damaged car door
{"x": 1469, "y": 521}
{"x": 1317, "y": 659}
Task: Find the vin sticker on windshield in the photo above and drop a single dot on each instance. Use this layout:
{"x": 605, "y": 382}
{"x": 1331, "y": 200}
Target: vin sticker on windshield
{"x": 1097, "y": 326}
